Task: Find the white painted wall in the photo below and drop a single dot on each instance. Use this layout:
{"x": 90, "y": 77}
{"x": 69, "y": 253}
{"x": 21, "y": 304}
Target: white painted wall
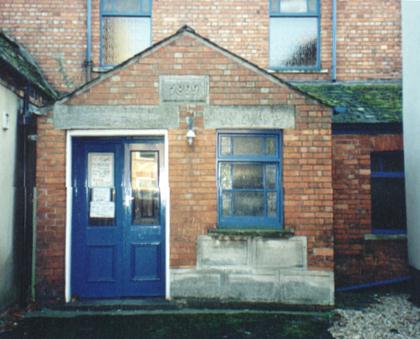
{"x": 9, "y": 103}
{"x": 411, "y": 123}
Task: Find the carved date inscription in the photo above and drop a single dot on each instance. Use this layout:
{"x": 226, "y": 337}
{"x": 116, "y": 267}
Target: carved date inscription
{"x": 184, "y": 88}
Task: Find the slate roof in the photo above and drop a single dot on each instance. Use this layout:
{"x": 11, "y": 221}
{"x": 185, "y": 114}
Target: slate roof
{"x": 361, "y": 102}
{"x": 17, "y": 60}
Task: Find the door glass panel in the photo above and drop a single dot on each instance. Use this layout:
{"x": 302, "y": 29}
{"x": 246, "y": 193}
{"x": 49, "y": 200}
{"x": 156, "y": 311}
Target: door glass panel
{"x": 101, "y": 192}
{"x": 145, "y": 188}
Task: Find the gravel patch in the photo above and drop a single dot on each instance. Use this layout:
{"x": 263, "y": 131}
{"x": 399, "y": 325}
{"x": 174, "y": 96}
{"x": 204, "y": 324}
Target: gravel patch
{"x": 391, "y": 316}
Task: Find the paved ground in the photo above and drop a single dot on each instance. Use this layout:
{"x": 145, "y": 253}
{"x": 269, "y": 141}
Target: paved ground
{"x": 366, "y": 314}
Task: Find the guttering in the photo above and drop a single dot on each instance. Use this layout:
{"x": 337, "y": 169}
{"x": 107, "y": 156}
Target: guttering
{"x": 334, "y": 41}
{"x": 88, "y": 61}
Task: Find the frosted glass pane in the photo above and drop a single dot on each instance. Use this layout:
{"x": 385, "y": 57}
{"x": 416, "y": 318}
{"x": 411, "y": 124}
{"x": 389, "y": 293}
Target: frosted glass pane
{"x": 107, "y": 5}
{"x": 251, "y": 145}
{"x": 226, "y": 203}
{"x": 293, "y": 42}
{"x": 275, "y": 6}
{"x": 124, "y": 37}
{"x": 145, "y": 6}
{"x": 272, "y": 204}
{"x": 247, "y": 176}
{"x": 225, "y": 176}
{"x": 271, "y": 145}
{"x": 293, "y": 6}
{"x": 226, "y": 144}
{"x": 127, "y": 6}
{"x": 248, "y": 204}
{"x": 270, "y": 176}
{"x": 312, "y": 6}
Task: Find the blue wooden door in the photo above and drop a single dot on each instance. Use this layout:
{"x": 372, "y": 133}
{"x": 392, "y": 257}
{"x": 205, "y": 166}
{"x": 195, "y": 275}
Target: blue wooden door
{"x": 118, "y": 228}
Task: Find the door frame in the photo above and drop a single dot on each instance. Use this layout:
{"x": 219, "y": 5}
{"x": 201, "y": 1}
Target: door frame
{"x": 69, "y": 194}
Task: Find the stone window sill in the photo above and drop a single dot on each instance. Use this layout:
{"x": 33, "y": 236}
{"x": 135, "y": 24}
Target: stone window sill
{"x": 377, "y": 237}
{"x": 263, "y": 233}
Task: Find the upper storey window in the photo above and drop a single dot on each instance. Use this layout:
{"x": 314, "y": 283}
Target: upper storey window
{"x": 294, "y": 34}
{"x": 126, "y": 29}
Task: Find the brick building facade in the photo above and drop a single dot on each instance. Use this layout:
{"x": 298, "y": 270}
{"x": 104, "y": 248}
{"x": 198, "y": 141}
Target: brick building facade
{"x": 323, "y": 177}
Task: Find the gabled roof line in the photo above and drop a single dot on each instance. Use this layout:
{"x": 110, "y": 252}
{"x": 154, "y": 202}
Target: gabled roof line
{"x": 190, "y": 31}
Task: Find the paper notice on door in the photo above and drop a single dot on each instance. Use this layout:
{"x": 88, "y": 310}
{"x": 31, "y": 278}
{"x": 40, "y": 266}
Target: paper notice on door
{"x": 102, "y": 209}
{"x": 101, "y": 169}
{"x": 101, "y": 194}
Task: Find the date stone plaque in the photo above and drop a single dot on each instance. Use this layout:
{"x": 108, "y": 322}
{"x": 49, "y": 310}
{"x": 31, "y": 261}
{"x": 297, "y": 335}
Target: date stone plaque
{"x": 184, "y": 88}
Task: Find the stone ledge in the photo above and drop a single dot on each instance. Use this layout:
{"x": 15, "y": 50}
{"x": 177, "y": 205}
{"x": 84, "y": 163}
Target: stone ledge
{"x": 263, "y": 233}
{"x": 285, "y": 286}
{"x": 378, "y": 237}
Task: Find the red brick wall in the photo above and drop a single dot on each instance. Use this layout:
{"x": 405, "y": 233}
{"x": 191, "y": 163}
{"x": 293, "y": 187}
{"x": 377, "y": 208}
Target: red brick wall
{"x": 368, "y": 39}
{"x": 192, "y": 170}
{"x": 368, "y": 34}
{"x": 358, "y": 260}
{"x": 51, "y": 213}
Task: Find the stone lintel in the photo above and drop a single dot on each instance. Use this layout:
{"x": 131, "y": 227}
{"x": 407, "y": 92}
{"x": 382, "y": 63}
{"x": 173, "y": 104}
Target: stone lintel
{"x": 277, "y": 116}
{"x": 115, "y": 117}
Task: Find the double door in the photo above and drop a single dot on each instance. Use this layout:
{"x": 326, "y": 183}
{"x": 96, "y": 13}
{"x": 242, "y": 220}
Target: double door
{"x": 118, "y": 218}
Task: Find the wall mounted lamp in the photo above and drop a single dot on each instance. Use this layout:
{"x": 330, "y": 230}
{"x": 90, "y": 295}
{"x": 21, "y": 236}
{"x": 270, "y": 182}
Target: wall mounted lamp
{"x": 190, "y": 133}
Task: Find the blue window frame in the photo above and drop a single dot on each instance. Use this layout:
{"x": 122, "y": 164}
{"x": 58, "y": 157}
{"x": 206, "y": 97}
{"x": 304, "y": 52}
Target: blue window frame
{"x": 249, "y": 179}
{"x": 125, "y": 29}
{"x": 294, "y": 35}
{"x": 388, "y": 193}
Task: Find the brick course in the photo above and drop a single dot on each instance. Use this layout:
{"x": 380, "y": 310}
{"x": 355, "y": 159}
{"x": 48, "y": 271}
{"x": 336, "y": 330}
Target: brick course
{"x": 368, "y": 34}
{"x": 357, "y": 260}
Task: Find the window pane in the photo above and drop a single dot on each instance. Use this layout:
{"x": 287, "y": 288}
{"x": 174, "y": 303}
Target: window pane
{"x": 388, "y": 203}
{"x": 145, "y": 188}
{"x": 249, "y": 145}
{"x": 247, "y": 176}
{"x": 248, "y": 204}
{"x": 293, "y": 6}
{"x": 124, "y": 37}
{"x": 312, "y": 6}
{"x": 127, "y": 6}
{"x": 270, "y": 176}
{"x": 226, "y": 144}
{"x": 275, "y": 6}
{"x": 107, "y": 5}
{"x": 293, "y": 42}
{"x": 225, "y": 176}
{"x": 271, "y": 145}
{"x": 145, "y": 6}
{"x": 387, "y": 162}
{"x": 272, "y": 204}
{"x": 226, "y": 203}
